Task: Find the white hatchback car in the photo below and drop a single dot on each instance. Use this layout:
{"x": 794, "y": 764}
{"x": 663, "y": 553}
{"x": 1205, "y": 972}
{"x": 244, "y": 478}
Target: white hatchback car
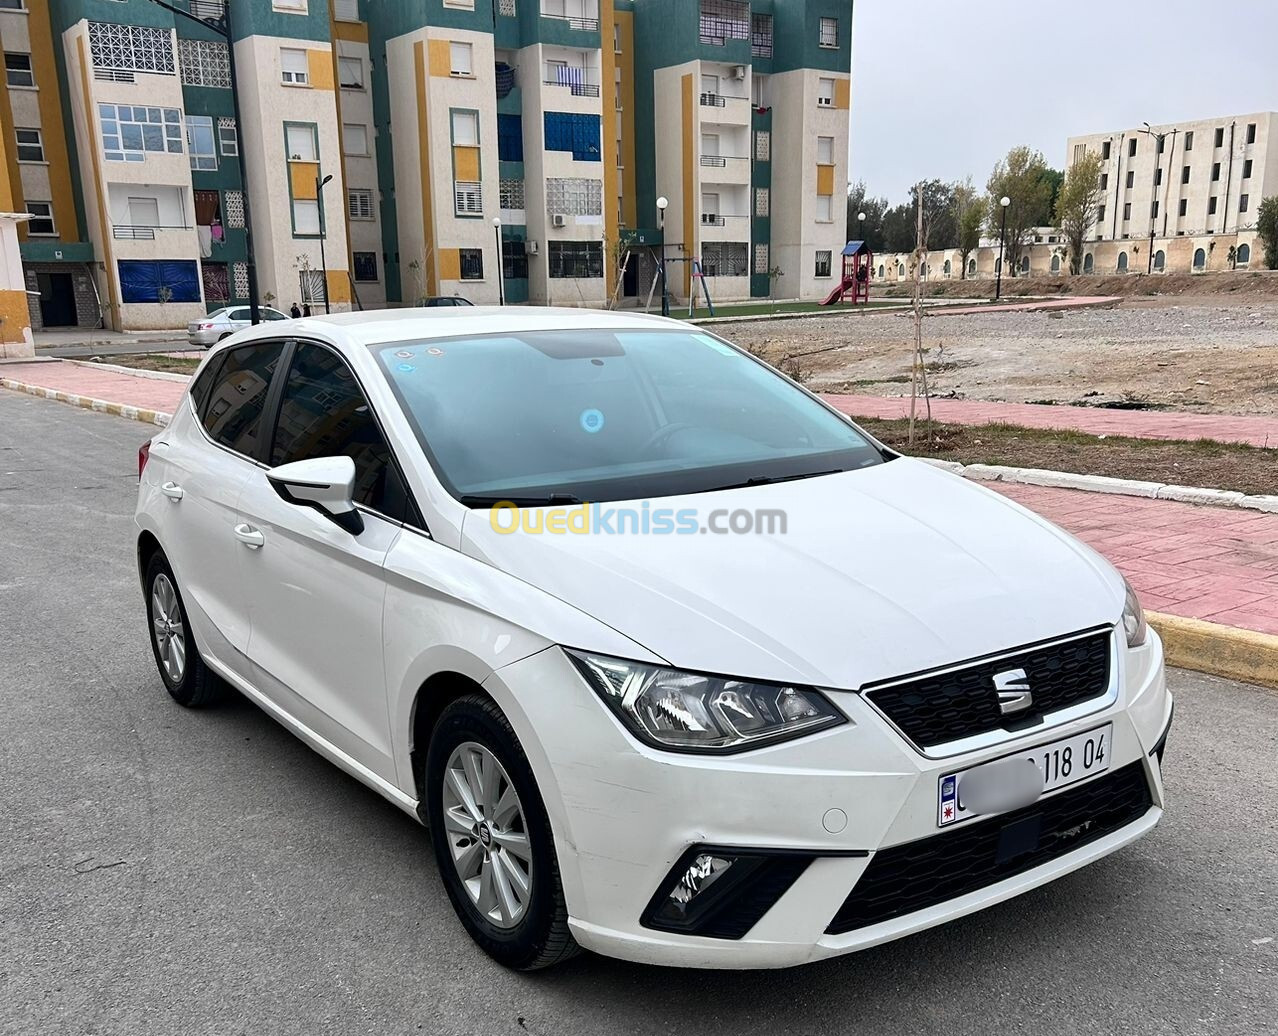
{"x": 676, "y": 663}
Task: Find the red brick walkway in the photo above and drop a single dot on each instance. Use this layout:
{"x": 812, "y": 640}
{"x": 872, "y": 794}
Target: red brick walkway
{"x": 1139, "y": 424}
{"x": 1211, "y": 563}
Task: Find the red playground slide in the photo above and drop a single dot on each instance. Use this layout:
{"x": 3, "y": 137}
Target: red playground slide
{"x": 836, "y": 295}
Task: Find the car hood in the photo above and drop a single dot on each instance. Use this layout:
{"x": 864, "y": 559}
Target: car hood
{"x": 881, "y": 572}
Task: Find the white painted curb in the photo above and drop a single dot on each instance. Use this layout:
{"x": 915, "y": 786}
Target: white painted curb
{"x": 1104, "y": 484}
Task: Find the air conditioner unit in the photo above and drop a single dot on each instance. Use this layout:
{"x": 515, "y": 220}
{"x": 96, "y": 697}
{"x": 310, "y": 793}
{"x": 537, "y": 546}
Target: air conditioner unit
{"x": 738, "y": 71}
{"x": 530, "y": 248}
{"x": 558, "y": 220}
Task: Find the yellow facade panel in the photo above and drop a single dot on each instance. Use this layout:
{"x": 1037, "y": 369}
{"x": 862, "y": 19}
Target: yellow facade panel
{"x": 825, "y": 179}
{"x": 466, "y": 163}
{"x": 302, "y": 176}
{"x": 320, "y": 67}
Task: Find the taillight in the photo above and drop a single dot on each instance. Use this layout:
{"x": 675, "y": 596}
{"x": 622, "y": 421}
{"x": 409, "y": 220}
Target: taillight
{"x": 206, "y": 327}
{"x": 144, "y": 454}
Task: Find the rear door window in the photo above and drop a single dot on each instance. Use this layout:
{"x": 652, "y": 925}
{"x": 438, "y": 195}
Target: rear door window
{"x": 232, "y": 412}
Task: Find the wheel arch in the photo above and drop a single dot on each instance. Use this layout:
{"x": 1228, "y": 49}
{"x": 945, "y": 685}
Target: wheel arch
{"x": 435, "y": 694}
{"x": 148, "y": 547}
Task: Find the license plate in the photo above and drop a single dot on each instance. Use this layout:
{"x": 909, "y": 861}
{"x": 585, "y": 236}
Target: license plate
{"x": 1059, "y": 763}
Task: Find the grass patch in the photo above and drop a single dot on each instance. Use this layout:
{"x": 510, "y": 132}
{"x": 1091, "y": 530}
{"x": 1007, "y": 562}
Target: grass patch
{"x": 155, "y": 362}
{"x": 778, "y": 308}
{"x": 1201, "y": 462}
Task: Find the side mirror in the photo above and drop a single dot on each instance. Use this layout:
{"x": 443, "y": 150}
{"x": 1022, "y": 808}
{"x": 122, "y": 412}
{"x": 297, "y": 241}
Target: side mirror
{"x": 324, "y": 483}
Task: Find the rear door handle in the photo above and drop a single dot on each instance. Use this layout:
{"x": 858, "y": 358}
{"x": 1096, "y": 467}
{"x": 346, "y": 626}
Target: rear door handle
{"x": 172, "y": 490}
{"x": 249, "y": 536}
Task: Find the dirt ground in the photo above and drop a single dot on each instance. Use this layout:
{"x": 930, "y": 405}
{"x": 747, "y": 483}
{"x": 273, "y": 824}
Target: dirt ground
{"x": 1212, "y": 353}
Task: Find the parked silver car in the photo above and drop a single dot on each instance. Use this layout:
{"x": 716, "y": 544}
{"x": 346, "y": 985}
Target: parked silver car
{"x": 223, "y": 322}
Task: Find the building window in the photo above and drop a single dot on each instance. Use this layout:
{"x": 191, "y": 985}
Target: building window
{"x": 295, "y": 69}
{"x": 12, "y": 5}
{"x": 1122, "y": 262}
{"x": 468, "y": 198}
{"x": 1189, "y": 140}
{"x": 199, "y": 142}
{"x": 1158, "y": 177}
{"x": 359, "y": 203}
{"x": 354, "y": 139}
{"x": 41, "y": 221}
{"x": 1200, "y": 259}
{"x": 1160, "y": 260}
{"x": 1127, "y": 210}
{"x": 825, "y": 93}
{"x": 761, "y": 35}
{"x": 723, "y": 20}
{"x": 1104, "y": 181}
{"x": 1131, "y": 178}
{"x": 1184, "y": 175}
{"x": 758, "y": 90}
{"x": 762, "y": 202}
{"x": 510, "y": 138}
{"x": 472, "y": 263}
{"x": 514, "y": 260}
{"x": 306, "y": 218}
{"x": 364, "y": 265}
{"x": 461, "y": 59}
{"x": 761, "y": 259}
{"x": 350, "y": 73}
{"x": 1251, "y": 133}
{"x": 582, "y": 259}
{"x": 1215, "y": 171}
{"x": 724, "y": 258}
{"x": 291, "y": 6}
{"x": 346, "y": 10}
{"x": 1220, "y": 136}
{"x": 1100, "y": 214}
{"x": 17, "y": 70}
{"x": 823, "y": 263}
{"x": 763, "y": 146}
{"x": 204, "y": 63}
{"x": 829, "y": 33}
{"x": 1153, "y": 210}
{"x": 1211, "y": 206}
{"x": 574, "y": 196}
{"x": 228, "y": 137}
{"x": 1246, "y": 169}
{"x": 825, "y": 151}
{"x": 1161, "y": 141}
{"x": 301, "y": 143}
{"x": 825, "y": 208}
{"x": 129, "y": 131}
{"x": 1184, "y": 207}
{"x": 1243, "y": 201}
{"x": 1131, "y": 148}
{"x": 1105, "y": 145}
{"x": 131, "y": 48}
{"x": 510, "y": 194}
{"x": 578, "y": 134}
{"x": 1244, "y": 255}
{"x": 465, "y": 129}
{"x": 30, "y": 145}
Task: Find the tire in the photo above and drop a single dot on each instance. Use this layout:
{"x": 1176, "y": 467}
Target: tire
{"x": 224, "y": 337}
{"x": 187, "y": 679}
{"x": 536, "y": 935}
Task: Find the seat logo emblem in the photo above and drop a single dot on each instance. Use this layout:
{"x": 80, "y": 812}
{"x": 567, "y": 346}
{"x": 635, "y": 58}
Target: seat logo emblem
{"x": 1013, "y": 689}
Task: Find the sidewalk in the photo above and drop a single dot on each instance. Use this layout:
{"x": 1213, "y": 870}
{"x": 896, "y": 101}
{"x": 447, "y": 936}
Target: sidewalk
{"x": 1138, "y": 424}
{"x": 1191, "y": 561}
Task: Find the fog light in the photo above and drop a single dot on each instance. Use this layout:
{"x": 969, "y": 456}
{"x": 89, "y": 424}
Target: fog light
{"x": 703, "y": 872}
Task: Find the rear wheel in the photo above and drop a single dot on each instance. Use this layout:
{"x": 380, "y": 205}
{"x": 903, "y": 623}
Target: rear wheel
{"x": 187, "y": 679}
{"x": 492, "y": 838}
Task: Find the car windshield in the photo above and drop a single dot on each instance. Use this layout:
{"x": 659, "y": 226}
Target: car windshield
{"x": 548, "y": 417}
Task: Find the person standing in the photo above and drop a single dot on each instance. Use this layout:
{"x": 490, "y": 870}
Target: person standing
{"x": 295, "y": 311}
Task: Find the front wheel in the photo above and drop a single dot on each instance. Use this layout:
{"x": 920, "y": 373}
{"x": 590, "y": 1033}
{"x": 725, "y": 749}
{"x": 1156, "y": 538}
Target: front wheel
{"x": 492, "y": 838}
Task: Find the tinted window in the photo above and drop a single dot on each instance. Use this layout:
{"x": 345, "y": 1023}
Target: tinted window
{"x": 268, "y": 314}
{"x": 323, "y": 413}
{"x": 237, "y": 314}
{"x": 203, "y": 385}
{"x": 233, "y": 414}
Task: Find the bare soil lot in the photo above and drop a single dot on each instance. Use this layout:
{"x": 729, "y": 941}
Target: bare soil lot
{"x": 1207, "y": 354}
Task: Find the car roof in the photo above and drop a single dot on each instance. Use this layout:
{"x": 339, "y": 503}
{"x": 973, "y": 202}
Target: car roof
{"x": 401, "y": 325}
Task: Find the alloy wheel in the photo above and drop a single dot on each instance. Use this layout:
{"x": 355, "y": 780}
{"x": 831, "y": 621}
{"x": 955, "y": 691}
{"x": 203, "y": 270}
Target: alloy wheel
{"x": 487, "y": 834}
{"x": 167, "y": 628}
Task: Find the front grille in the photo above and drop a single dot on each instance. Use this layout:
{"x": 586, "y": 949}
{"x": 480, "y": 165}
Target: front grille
{"x": 937, "y": 708}
{"x": 921, "y": 874}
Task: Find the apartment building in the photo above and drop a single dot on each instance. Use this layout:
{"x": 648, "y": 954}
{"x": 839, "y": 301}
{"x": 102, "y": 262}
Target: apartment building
{"x": 499, "y": 150}
{"x": 1195, "y": 186}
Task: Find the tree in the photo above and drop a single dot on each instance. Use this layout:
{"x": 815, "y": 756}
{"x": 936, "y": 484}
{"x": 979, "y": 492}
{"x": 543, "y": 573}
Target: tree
{"x": 1054, "y": 179}
{"x": 969, "y": 211}
{"x": 871, "y": 232}
{"x": 940, "y": 223}
{"x": 1267, "y": 230}
{"x": 1021, "y": 177}
{"x": 898, "y": 229}
{"x": 1077, "y": 204}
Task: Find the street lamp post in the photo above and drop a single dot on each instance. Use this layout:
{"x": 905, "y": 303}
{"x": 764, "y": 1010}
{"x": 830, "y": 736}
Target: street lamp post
{"x": 1153, "y": 196}
{"x": 662, "y": 202}
{"x": 1004, "y": 202}
{"x": 501, "y": 269}
{"x": 319, "y": 198}
{"x": 222, "y": 26}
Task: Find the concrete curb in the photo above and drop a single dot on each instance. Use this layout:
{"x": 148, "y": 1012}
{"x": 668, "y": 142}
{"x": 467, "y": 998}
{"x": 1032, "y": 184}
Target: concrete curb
{"x": 1206, "y": 647}
{"x": 103, "y": 406}
{"x": 1105, "y": 484}
{"x": 135, "y": 372}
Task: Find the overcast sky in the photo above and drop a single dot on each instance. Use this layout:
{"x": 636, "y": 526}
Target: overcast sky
{"x": 992, "y": 74}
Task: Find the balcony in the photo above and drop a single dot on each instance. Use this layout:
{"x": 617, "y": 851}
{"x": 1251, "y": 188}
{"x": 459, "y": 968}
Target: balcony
{"x": 141, "y": 232}
{"x": 709, "y": 100}
{"x": 575, "y": 22}
{"x": 578, "y": 80}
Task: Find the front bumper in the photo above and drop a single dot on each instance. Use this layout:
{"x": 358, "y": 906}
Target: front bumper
{"x": 624, "y": 814}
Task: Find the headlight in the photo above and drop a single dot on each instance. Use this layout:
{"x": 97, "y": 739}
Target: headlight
{"x": 1134, "y": 618}
{"x": 692, "y": 712}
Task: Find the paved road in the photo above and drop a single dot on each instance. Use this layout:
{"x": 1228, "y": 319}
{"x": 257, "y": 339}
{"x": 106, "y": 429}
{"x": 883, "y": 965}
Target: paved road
{"x": 166, "y": 872}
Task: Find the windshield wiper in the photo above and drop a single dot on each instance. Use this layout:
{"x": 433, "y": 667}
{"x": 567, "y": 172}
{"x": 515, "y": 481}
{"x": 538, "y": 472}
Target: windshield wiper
{"x": 490, "y": 499}
{"x": 767, "y": 480}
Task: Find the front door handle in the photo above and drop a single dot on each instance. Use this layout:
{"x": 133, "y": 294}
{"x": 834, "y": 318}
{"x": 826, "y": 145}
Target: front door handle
{"x": 172, "y": 490}
{"x": 249, "y": 536}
